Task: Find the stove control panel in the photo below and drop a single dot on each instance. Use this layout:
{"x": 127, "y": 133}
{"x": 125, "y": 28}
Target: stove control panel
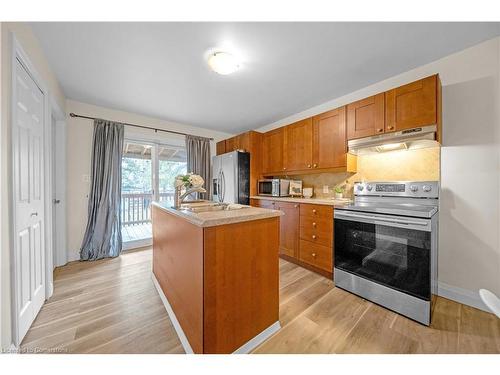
{"x": 420, "y": 189}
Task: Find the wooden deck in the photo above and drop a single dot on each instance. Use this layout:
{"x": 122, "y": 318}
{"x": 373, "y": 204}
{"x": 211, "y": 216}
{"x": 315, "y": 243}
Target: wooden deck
{"x": 111, "y": 306}
{"x": 136, "y": 232}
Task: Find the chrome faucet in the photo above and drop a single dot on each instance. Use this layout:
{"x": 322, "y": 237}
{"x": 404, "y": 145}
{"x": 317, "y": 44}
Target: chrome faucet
{"x": 179, "y": 198}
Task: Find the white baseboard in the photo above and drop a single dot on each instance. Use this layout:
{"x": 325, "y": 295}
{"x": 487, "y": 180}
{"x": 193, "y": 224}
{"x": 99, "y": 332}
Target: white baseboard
{"x": 173, "y": 318}
{"x": 464, "y": 296}
{"x": 245, "y": 348}
{"x": 50, "y": 291}
{"x": 12, "y": 349}
{"x": 259, "y": 339}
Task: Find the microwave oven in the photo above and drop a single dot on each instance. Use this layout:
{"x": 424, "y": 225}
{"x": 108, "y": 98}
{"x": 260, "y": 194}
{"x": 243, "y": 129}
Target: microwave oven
{"x": 274, "y": 187}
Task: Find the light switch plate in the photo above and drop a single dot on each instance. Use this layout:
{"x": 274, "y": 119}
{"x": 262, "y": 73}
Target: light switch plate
{"x": 325, "y": 189}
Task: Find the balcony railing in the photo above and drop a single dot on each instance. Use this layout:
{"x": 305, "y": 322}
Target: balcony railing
{"x": 136, "y": 207}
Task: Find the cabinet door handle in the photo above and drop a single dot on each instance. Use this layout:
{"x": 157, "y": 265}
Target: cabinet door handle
{"x": 284, "y": 168}
{"x": 296, "y": 205}
{"x": 315, "y": 165}
{"x": 314, "y": 211}
{"x": 380, "y": 130}
{"x": 390, "y": 127}
{"x": 314, "y": 224}
{"x": 314, "y": 236}
{"x": 314, "y": 255}
{"x": 308, "y": 165}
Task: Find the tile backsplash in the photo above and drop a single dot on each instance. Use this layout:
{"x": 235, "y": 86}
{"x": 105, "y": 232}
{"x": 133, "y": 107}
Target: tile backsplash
{"x": 405, "y": 165}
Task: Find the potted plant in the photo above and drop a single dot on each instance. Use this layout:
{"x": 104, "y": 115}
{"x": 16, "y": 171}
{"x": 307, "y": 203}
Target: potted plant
{"x": 339, "y": 192}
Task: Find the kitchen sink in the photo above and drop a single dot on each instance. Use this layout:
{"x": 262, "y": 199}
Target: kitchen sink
{"x": 208, "y": 206}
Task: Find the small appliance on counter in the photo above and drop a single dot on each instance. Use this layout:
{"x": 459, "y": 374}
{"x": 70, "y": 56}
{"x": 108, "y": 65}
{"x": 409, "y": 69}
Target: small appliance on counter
{"x": 274, "y": 187}
{"x": 296, "y": 188}
{"x": 386, "y": 245}
{"x": 307, "y": 192}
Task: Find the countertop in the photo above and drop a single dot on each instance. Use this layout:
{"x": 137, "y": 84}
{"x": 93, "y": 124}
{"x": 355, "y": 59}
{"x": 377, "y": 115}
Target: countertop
{"x": 323, "y": 201}
{"x": 215, "y": 218}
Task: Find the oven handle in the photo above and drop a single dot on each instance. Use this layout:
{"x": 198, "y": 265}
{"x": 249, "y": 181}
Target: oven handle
{"x": 374, "y": 219}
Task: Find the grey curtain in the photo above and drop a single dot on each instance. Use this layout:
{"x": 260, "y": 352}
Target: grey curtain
{"x": 198, "y": 161}
{"x": 103, "y": 237}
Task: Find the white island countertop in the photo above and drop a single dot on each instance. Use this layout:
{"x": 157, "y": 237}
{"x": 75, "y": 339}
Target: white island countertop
{"x": 223, "y": 217}
{"x": 323, "y": 201}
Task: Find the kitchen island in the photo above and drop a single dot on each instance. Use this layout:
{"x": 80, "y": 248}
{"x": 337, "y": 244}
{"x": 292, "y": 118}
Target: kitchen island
{"x": 217, "y": 273}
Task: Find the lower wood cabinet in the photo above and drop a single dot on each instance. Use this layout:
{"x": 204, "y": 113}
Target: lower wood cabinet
{"x": 306, "y": 233}
{"x": 289, "y": 229}
{"x": 316, "y": 255}
{"x": 317, "y": 230}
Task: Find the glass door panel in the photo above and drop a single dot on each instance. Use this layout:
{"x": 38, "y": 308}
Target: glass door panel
{"x": 392, "y": 256}
{"x": 171, "y": 162}
{"x": 137, "y": 191}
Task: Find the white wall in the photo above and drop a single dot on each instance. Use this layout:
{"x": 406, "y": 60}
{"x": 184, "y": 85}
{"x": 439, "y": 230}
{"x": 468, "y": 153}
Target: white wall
{"x": 469, "y": 253}
{"x": 79, "y": 149}
{"x": 34, "y": 52}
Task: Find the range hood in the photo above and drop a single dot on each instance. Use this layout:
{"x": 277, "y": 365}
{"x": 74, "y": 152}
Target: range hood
{"x": 408, "y": 139}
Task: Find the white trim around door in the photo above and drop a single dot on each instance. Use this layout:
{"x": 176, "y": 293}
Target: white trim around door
{"x": 57, "y": 201}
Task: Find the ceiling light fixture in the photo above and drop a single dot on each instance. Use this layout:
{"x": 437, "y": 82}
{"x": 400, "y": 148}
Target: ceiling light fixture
{"x": 223, "y": 63}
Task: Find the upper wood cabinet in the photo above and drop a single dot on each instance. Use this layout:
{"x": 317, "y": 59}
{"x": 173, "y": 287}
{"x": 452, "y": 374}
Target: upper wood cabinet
{"x": 230, "y": 144}
{"x": 366, "y": 117}
{"x": 238, "y": 142}
{"x": 250, "y": 142}
{"x": 220, "y": 147}
{"x": 298, "y": 145}
{"x": 319, "y": 144}
{"x": 272, "y": 151}
{"x": 412, "y": 105}
{"x": 329, "y": 139}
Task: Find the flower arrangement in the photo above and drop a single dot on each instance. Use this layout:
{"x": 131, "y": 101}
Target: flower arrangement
{"x": 189, "y": 180}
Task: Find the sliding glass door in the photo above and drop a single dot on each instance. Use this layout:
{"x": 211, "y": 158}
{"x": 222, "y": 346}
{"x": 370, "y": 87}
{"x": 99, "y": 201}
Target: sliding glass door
{"x": 148, "y": 173}
{"x": 171, "y": 162}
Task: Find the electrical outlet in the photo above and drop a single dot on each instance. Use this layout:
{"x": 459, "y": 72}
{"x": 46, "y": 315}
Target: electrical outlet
{"x": 326, "y": 189}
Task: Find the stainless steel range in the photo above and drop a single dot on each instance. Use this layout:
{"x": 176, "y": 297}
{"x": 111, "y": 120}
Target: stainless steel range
{"x": 386, "y": 245}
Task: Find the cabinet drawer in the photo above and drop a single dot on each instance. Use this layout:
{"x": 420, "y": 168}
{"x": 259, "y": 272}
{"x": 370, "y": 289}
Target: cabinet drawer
{"x": 316, "y": 210}
{"x": 316, "y": 255}
{"x": 265, "y": 203}
{"x": 317, "y": 230}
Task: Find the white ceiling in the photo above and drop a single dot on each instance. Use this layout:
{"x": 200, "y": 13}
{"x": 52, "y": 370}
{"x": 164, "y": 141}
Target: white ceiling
{"x": 159, "y": 69}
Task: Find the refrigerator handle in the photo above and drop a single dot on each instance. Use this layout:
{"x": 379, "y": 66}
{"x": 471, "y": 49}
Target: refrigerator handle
{"x": 223, "y": 186}
{"x": 219, "y": 186}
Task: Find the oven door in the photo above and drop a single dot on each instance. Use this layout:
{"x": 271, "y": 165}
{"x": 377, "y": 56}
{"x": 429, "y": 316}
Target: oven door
{"x": 393, "y": 251}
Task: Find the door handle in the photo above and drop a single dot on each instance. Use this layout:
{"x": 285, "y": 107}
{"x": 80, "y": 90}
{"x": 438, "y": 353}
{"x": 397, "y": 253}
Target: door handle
{"x": 34, "y": 214}
{"x": 57, "y": 201}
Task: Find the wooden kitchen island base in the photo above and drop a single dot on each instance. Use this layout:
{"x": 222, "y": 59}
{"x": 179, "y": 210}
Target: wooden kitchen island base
{"x": 219, "y": 284}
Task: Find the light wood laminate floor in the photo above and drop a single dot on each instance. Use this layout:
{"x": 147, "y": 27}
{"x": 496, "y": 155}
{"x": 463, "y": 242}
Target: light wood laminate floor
{"x": 111, "y": 306}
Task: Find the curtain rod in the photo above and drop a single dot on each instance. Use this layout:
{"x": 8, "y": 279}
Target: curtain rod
{"x": 138, "y": 126}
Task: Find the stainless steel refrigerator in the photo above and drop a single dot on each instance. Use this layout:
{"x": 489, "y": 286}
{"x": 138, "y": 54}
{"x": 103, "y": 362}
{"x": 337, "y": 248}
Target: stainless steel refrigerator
{"x": 231, "y": 177}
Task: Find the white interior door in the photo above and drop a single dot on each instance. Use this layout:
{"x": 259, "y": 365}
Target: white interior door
{"x": 28, "y": 152}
